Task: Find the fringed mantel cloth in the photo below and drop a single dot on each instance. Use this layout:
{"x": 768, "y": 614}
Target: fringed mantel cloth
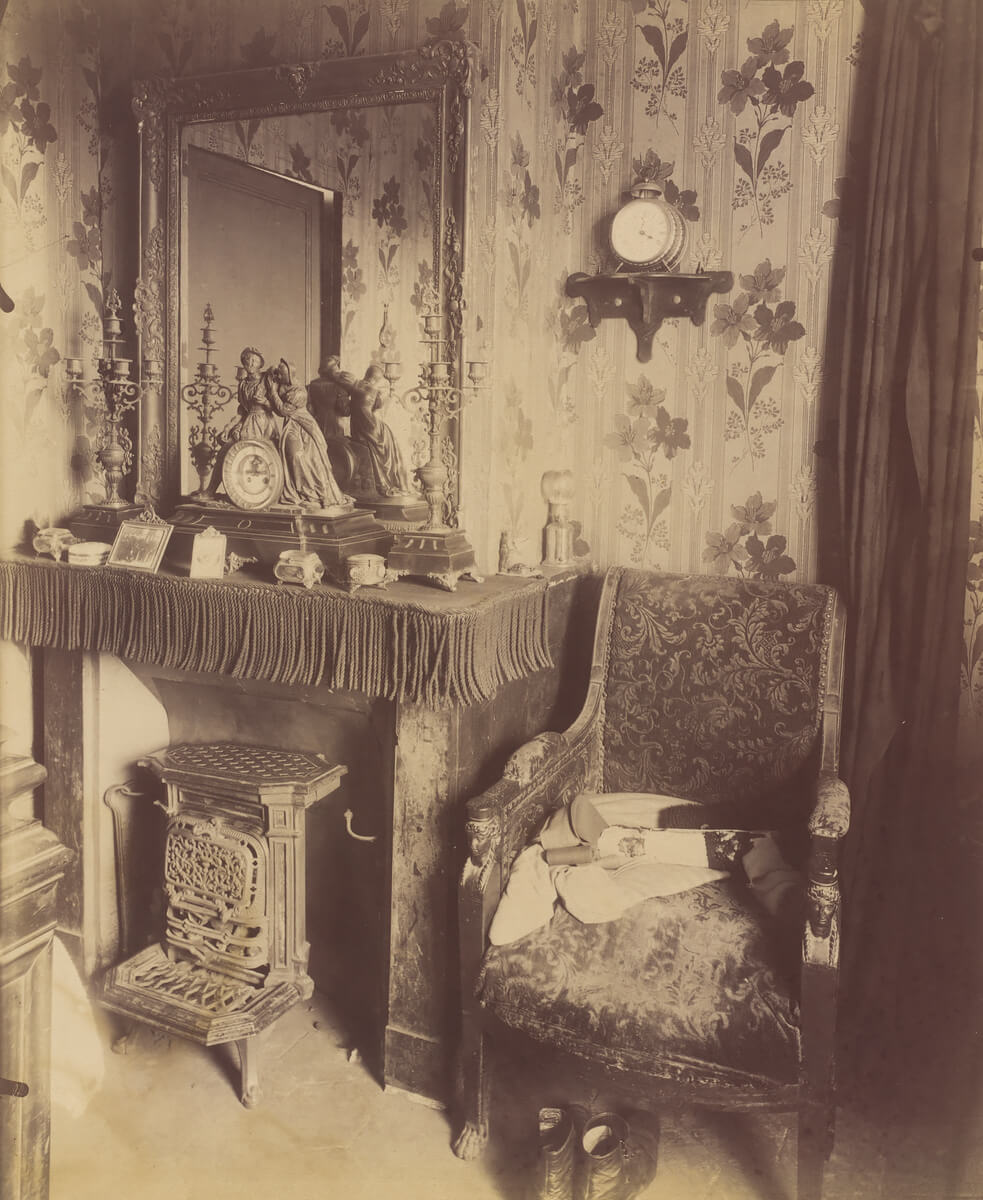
{"x": 411, "y": 643}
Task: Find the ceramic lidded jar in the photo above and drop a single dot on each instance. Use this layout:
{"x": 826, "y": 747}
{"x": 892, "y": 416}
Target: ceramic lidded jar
{"x": 365, "y": 570}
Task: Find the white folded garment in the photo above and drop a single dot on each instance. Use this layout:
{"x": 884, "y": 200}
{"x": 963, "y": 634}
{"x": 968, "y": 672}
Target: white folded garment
{"x": 594, "y": 894}
{"x": 528, "y": 899}
{"x": 633, "y": 860}
{"x": 773, "y": 882}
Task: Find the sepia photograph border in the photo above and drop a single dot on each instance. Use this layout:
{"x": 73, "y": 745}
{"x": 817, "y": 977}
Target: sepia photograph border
{"x": 151, "y": 545}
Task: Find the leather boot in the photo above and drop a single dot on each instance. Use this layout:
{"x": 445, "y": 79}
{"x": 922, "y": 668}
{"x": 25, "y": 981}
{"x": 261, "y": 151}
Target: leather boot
{"x": 554, "y": 1168}
{"x": 619, "y": 1161}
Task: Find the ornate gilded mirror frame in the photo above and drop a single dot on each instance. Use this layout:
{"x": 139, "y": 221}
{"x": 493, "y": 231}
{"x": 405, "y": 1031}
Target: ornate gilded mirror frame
{"x": 441, "y": 74}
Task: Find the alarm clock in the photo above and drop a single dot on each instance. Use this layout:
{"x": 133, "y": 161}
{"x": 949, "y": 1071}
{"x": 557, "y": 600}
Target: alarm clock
{"x": 648, "y": 231}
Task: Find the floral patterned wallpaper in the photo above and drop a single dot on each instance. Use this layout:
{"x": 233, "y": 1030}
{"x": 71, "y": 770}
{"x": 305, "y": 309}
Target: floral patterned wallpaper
{"x": 54, "y": 195}
{"x": 704, "y": 458}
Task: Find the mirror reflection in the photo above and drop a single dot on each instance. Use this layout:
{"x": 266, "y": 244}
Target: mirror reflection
{"x": 307, "y": 234}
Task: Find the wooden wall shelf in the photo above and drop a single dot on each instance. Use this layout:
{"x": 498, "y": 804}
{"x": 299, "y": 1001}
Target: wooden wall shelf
{"x": 647, "y": 298}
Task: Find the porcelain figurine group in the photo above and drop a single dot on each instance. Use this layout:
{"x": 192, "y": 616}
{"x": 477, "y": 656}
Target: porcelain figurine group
{"x": 274, "y": 407}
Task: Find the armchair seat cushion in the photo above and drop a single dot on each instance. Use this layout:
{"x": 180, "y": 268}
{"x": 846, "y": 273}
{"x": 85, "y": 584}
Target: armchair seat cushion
{"x": 693, "y": 987}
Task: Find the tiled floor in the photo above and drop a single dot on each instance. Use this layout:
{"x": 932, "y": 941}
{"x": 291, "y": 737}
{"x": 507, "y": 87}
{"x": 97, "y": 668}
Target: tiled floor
{"x": 167, "y": 1125}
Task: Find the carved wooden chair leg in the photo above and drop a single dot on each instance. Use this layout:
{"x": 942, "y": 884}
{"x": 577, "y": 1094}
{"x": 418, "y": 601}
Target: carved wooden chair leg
{"x": 474, "y": 1086}
{"x": 249, "y": 1064}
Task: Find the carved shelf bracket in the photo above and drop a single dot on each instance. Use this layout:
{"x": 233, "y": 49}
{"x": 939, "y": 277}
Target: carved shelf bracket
{"x": 647, "y": 298}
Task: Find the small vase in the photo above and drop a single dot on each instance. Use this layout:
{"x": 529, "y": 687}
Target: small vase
{"x": 203, "y": 458}
{"x": 433, "y": 477}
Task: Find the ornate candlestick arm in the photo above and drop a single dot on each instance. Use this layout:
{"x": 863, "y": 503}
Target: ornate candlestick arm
{"x": 112, "y": 394}
{"x": 437, "y": 550}
{"x": 205, "y": 397}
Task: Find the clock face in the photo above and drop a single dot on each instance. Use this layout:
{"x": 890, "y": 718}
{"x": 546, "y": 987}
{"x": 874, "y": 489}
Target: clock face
{"x": 646, "y": 232}
{"x": 253, "y": 473}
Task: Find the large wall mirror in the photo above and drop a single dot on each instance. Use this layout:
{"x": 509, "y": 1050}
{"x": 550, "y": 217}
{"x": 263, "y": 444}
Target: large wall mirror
{"x": 316, "y": 208}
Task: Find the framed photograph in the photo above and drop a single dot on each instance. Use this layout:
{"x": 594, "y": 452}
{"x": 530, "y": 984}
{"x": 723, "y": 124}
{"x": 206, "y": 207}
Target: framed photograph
{"x": 139, "y": 545}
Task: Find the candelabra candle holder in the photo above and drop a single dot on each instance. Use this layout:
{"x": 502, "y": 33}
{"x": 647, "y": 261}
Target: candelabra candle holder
{"x": 392, "y": 368}
{"x": 437, "y": 551}
{"x": 113, "y": 394}
{"x": 205, "y": 397}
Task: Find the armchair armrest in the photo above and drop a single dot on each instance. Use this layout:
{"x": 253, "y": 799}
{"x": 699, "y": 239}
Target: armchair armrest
{"x": 830, "y": 817}
{"x": 541, "y": 776}
{"x": 828, "y": 823}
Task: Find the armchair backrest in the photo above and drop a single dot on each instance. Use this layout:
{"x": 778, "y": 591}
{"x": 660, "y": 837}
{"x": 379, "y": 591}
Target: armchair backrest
{"x": 713, "y": 686}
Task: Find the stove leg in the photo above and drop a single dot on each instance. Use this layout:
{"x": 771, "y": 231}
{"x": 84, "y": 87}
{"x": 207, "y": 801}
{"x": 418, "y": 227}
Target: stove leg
{"x": 122, "y": 1041}
{"x": 249, "y": 1063}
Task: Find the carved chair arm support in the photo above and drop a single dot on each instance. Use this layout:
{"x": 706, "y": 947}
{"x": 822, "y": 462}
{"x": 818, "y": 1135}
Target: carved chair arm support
{"x": 540, "y": 777}
{"x": 823, "y": 887}
{"x": 829, "y": 821}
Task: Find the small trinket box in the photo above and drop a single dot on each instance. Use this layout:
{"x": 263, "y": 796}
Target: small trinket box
{"x": 299, "y": 566}
{"x": 365, "y": 570}
{"x": 89, "y": 554}
{"x": 53, "y": 540}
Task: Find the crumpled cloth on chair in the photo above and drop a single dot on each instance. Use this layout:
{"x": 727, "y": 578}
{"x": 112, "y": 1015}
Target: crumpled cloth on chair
{"x": 603, "y": 854}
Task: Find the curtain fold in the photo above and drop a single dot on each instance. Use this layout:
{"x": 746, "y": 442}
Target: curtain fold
{"x": 901, "y": 391}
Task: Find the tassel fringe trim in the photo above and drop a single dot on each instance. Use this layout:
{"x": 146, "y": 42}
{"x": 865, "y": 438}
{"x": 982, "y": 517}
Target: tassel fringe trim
{"x": 450, "y": 654}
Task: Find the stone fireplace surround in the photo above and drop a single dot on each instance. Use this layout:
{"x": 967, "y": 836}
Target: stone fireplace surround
{"x": 381, "y": 913}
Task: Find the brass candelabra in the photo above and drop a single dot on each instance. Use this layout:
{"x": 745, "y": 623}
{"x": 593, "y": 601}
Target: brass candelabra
{"x": 443, "y": 400}
{"x": 113, "y": 393}
{"x": 437, "y": 550}
{"x": 205, "y": 397}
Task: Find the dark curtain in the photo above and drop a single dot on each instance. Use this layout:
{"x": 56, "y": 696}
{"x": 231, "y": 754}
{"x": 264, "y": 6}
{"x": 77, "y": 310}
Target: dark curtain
{"x": 900, "y": 396}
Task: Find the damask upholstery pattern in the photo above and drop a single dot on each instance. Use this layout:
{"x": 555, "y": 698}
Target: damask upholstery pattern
{"x": 693, "y": 986}
{"x": 714, "y": 684}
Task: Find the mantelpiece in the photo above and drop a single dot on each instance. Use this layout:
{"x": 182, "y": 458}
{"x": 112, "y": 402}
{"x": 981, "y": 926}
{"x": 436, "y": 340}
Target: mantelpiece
{"x": 647, "y": 298}
{"x": 427, "y": 726}
{"x": 412, "y": 643}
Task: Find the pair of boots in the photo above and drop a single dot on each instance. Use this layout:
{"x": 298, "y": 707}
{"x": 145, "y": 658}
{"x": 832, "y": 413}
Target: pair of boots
{"x": 616, "y": 1162}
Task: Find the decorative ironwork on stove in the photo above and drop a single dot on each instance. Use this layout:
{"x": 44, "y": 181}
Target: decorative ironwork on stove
{"x": 262, "y": 764}
{"x": 215, "y": 879}
{"x": 181, "y": 981}
{"x": 234, "y": 953}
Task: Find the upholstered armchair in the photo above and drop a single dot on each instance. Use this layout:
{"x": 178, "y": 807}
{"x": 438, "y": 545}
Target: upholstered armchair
{"x": 719, "y": 690}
